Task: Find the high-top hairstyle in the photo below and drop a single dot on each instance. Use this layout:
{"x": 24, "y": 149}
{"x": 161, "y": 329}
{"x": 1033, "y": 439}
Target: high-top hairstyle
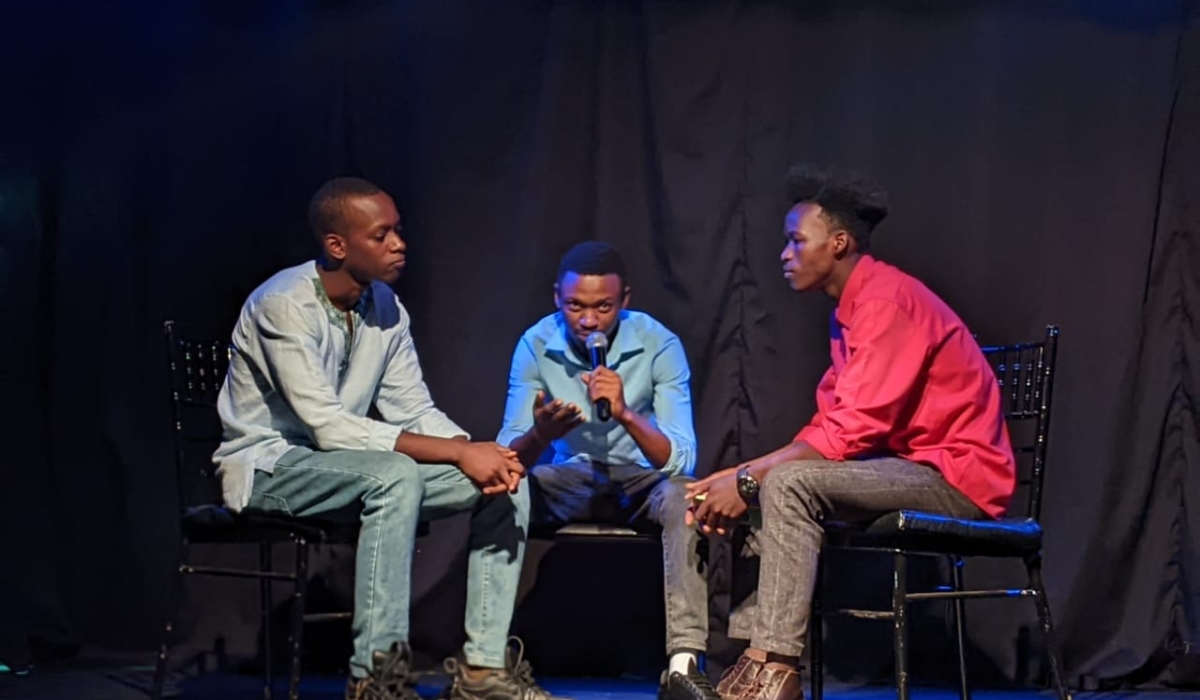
{"x": 848, "y": 200}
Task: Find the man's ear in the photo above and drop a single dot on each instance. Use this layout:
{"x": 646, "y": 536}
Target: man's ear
{"x": 557, "y": 298}
{"x": 843, "y": 243}
{"x": 335, "y": 245}
{"x": 625, "y": 297}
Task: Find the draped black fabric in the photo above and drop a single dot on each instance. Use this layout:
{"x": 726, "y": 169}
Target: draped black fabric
{"x": 1148, "y": 502}
{"x": 1041, "y": 157}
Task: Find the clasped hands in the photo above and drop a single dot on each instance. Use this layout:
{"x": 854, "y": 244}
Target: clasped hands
{"x": 493, "y": 467}
{"x": 715, "y": 504}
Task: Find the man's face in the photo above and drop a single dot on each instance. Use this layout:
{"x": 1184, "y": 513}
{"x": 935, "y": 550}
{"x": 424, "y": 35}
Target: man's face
{"x": 369, "y": 243}
{"x": 813, "y": 246}
{"x": 590, "y": 303}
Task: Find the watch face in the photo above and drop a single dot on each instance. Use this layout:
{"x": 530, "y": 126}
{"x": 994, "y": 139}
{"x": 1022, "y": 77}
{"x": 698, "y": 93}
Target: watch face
{"x": 747, "y": 486}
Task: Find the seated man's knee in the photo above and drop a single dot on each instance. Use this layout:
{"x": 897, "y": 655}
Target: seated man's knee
{"x": 508, "y": 502}
{"x": 671, "y": 497}
{"x": 397, "y": 472}
{"x": 792, "y": 479}
{"x": 675, "y": 485}
{"x": 521, "y": 499}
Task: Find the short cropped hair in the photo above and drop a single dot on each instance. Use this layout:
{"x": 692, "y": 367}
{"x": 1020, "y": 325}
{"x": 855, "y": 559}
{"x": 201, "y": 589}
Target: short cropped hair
{"x": 327, "y": 209}
{"x": 593, "y": 258}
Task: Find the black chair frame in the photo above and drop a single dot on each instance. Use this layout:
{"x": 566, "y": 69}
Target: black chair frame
{"x": 196, "y": 371}
{"x": 1025, "y": 372}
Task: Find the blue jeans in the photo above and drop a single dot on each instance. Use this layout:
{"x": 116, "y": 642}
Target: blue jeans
{"x": 388, "y": 493}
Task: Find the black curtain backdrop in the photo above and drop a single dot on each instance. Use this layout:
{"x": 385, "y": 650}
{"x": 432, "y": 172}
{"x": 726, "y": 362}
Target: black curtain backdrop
{"x": 1042, "y": 158}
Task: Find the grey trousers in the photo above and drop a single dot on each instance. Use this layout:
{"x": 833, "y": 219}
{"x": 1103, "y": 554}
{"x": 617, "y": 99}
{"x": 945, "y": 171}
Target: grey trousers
{"x": 632, "y": 495}
{"x": 797, "y": 498}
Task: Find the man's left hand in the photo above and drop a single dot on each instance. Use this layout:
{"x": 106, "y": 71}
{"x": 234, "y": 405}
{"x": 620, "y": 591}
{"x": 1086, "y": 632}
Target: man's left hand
{"x": 722, "y": 505}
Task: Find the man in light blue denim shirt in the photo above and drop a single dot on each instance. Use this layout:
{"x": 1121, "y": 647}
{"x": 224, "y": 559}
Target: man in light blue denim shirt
{"x": 325, "y": 413}
{"x": 631, "y": 469}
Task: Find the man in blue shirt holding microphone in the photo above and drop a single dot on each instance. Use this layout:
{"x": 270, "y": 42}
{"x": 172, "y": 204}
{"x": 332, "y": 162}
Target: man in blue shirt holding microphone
{"x": 600, "y": 412}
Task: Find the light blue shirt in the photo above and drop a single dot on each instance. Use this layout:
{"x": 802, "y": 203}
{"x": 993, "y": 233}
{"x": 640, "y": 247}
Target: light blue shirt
{"x": 301, "y": 376}
{"x": 653, "y": 368}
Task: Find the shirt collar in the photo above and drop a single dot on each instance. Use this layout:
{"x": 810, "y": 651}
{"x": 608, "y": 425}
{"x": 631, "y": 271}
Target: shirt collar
{"x": 360, "y": 308}
{"x": 854, "y": 284}
{"x": 627, "y": 343}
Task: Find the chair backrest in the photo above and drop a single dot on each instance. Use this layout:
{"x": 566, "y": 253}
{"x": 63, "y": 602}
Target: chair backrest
{"x": 1025, "y": 372}
{"x": 195, "y": 370}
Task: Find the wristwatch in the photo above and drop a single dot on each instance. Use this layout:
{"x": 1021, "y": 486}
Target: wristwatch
{"x": 747, "y": 485}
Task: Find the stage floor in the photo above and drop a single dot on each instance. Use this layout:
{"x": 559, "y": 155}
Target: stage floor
{"x": 92, "y": 682}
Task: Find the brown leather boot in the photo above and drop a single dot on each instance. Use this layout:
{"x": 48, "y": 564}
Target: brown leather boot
{"x": 738, "y": 680}
{"x": 777, "y": 684}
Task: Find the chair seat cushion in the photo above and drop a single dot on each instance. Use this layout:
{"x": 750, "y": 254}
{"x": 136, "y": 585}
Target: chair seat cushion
{"x": 549, "y": 532}
{"x": 216, "y": 523}
{"x": 939, "y": 534}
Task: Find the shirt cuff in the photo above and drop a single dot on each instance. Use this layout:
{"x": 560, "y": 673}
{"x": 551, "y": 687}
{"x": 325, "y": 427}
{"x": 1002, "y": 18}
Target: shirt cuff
{"x": 438, "y": 424}
{"x": 678, "y": 461}
{"x": 383, "y": 436}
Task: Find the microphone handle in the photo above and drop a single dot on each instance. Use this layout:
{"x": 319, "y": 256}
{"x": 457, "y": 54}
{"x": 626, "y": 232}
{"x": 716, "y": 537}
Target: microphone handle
{"x": 603, "y": 410}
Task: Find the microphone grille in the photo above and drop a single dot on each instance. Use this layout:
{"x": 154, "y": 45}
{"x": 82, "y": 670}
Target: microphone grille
{"x": 597, "y": 340}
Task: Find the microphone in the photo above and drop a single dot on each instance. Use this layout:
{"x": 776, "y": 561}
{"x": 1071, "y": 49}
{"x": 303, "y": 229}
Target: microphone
{"x": 597, "y": 344}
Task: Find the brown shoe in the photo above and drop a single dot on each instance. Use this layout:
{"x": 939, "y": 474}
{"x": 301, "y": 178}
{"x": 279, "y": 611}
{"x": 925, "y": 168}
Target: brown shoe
{"x": 389, "y": 678}
{"x": 738, "y": 680}
{"x": 778, "y": 684}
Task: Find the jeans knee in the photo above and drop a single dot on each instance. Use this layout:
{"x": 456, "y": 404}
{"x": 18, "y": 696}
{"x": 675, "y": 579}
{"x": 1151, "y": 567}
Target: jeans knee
{"x": 674, "y": 488}
{"x": 506, "y": 506}
{"x": 670, "y": 501}
{"x": 521, "y": 503}
{"x": 397, "y": 476}
{"x": 789, "y": 481}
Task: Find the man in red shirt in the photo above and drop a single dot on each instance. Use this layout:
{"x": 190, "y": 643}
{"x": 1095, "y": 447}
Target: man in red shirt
{"x": 908, "y": 417}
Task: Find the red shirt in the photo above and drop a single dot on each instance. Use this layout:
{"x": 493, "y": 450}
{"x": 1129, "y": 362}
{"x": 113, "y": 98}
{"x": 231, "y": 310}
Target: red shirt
{"x": 909, "y": 380}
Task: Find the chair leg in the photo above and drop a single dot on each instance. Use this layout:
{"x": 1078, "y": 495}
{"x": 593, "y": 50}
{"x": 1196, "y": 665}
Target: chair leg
{"x": 264, "y": 594}
{"x": 1034, "y": 566}
{"x": 900, "y": 623}
{"x": 164, "y": 648}
{"x": 816, "y": 633}
{"x": 956, "y": 579}
{"x": 298, "y": 616}
{"x": 160, "y": 663}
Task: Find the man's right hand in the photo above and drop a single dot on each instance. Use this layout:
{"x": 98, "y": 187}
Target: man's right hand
{"x": 554, "y": 419}
{"x": 494, "y": 468}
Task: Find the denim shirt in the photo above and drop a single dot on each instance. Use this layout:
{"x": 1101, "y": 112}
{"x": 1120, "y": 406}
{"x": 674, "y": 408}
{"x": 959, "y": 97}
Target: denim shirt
{"x": 305, "y": 374}
{"x": 654, "y": 371}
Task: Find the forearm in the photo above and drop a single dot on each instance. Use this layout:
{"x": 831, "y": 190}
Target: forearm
{"x": 529, "y": 447}
{"x": 653, "y": 443}
{"x": 431, "y": 450}
{"x": 792, "y": 452}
